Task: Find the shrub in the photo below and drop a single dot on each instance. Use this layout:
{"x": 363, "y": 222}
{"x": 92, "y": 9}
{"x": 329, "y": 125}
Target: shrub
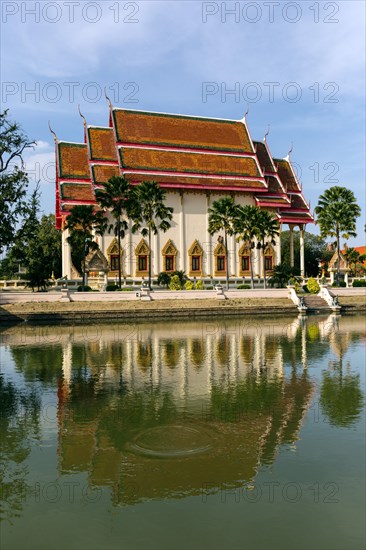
{"x": 210, "y": 287}
{"x": 126, "y": 289}
{"x": 341, "y": 284}
{"x": 111, "y": 288}
{"x": 313, "y": 286}
{"x": 243, "y": 287}
{"x": 164, "y": 279}
{"x": 175, "y": 283}
{"x": 359, "y": 283}
{"x": 86, "y": 288}
{"x": 181, "y": 276}
{"x": 188, "y": 285}
{"x": 199, "y": 285}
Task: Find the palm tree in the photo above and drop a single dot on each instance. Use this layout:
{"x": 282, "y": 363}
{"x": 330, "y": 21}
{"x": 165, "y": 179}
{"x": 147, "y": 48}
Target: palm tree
{"x": 81, "y": 222}
{"x": 221, "y": 218}
{"x": 115, "y": 196}
{"x": 267, "y": 229}
{"x": 149, "y": 213}
{"x": 336, "y": 212}
{"x": 245, "y": 227}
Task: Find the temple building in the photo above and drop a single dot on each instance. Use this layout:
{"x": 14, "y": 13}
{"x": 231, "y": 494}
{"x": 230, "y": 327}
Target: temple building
{"x": 197, "y": 160}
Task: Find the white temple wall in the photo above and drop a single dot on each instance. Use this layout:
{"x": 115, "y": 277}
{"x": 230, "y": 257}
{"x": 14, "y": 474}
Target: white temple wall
{"x": 190, "y": 222}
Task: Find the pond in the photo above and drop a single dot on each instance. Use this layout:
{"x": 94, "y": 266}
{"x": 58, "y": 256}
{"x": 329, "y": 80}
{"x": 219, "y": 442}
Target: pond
{"x": 237, "y": 434}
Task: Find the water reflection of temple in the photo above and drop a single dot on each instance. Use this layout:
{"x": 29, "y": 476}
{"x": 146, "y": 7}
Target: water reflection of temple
{"x": 133, "y": 402}
{"x": 227, "y": 387}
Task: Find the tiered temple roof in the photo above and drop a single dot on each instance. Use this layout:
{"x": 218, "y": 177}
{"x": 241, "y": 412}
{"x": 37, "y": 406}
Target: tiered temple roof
{"x": 181, "y": 153}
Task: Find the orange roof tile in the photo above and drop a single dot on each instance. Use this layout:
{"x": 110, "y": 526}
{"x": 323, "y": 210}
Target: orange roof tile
{"x": 73, "y": 160}
{"x": 103, "y": 172}
{"x": 264, "y": 159}
{"x": 102, "y": 144}
{"x": 77, "y": 191}
{"x": 200, "y": 163}
{"x": 181, "y": 131}
{"x": 286, "y": 175}
{"x": 274, "y": 185}
{"x": 200, "y": 182}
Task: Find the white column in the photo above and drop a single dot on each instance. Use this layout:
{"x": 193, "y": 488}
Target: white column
{"x": 278, "y": 248}
{"x": 208, "y": 244}
{"x": 66, "y": 255}
{"x": 156, "y": 256}
{"x": 232, "y": 256}
{"x": 130, "y": 253}
{"x": 302, "y": 251}
{"x": 182, "y": 244}
{"x": 292, "y": 263}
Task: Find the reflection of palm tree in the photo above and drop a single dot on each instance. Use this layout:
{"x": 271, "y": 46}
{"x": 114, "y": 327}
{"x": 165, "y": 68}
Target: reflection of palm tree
{"x": 341, "y": 397}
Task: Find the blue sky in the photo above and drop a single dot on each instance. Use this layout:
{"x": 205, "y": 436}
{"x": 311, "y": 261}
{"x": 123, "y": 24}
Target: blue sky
{"x": 298, "y": 66}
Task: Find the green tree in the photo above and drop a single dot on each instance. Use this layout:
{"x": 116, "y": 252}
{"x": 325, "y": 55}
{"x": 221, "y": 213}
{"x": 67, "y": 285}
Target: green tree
{"x": 337, "y": 211}
{"x": 149, "y": 213}
{"x": 221, "y": 218}
{"x": 245, "y": 227}
{"x": 355, "y": 260}
{"x": 13, "y": 178}
{"x": 81, "y": 222}
{"x": 44, "y": 254}
{"x": 267, "y": 229}
{"x": 115, "y": 196}
{"x": 315, "y": 250}
{"x": 280, "y": 275}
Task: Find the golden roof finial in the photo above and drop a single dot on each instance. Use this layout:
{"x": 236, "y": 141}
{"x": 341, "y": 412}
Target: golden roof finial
{"x": 107, "y": 98}
{"x": 82, "y": 116}
{"x": 266, "y": 134}
{"x": 290, "y": 151}
{"x": 52, "y": 132}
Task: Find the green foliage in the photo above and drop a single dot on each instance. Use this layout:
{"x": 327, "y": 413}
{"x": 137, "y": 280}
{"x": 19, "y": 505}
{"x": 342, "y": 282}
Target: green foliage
{"x": 189, "y": 285}
{"x": 280, "y": 275}
{"x": 199, "y": 285}
{"x": 81, "y": 222}
{"x": 13, "y": 179}
{"x": 86, "y": 288}
{"x": 313, "y": 286}
{"x": 221, "y": 219}
{"x": 267, "y": 230}
{"x": 355, "y": 261}
{"x": 164, "y": 279}
{"x": 182, "y": 276}
{"x": 315, "y": 248}
{"x": 337, "y": 212}
{"x": 111, "y": 288}
{"x": 359, "y": 283}
{"x": 209, "y": 287}
{"x": 245, "y": 228}
{"x": 175, "y": 283}
{"x": 342, "y": 284}
{"x": 149, "y": 213}
{"x": 243, "y": 287}
{"x": 116, "y": 195}
{"x": 37, "y": 247}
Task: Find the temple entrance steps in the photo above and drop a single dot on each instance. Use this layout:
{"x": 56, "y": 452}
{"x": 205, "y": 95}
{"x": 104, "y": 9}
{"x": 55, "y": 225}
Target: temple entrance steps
{"x": 315, "y": 303}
